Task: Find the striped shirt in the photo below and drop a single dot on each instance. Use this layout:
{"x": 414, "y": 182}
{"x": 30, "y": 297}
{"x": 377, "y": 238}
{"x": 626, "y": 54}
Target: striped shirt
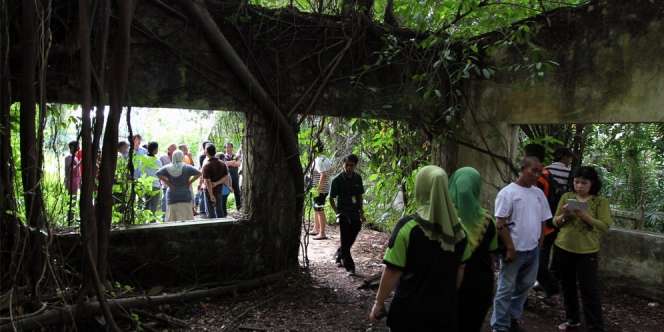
{"x": 560, "y": 172}
{"x": 325, "y": 185}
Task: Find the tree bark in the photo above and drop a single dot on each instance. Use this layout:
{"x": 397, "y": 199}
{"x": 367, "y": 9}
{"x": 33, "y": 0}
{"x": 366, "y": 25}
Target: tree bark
{"x": 87, "y": 212}
{"x": 285, "y": 134}
{"x": 30, "y": 151}
{"x": 120, "y": 71}
{"x": 8, "y": 220}
{"x": 269, "y": 203}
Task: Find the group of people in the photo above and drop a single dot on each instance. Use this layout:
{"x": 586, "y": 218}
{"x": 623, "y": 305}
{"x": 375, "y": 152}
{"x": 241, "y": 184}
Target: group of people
{"x": 173, "y": 174}
{"x": 440, "y": 260}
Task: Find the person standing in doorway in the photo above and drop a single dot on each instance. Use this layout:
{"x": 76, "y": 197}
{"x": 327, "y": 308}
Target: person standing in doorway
{"x": 215, "y": 177}
{"x": 346, "y": 193}
{"x": 521, "y": 210}
{"x": 151, "y": 166}
{"x": 321, "y": 181}
{"x": 72, "y": 169}
{"x": 546, "y": 279}
{"x": 138, "y": 149}
{"x": 139, "y": 153}
{"x": 233, "y": 162}
{"x": 73, "y": 173}
{"x": 166, "y": 160}
{"x": 583, "y": 217}
{"x": 198, "y": 198}
{"x": 178, "y": 177}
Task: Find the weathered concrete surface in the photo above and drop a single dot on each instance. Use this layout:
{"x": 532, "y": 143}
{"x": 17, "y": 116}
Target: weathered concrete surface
{"x": 178, "y": 253}
{"x": 290, "y": 53}
{"x": 610, "y": 68}
{"x": 634, "y": 260}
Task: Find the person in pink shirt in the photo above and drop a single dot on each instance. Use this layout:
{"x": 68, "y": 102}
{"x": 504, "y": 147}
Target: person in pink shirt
{"x": 73, "y": 169}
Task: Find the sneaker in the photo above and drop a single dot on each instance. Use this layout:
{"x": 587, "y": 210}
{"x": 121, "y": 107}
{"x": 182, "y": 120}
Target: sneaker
{"x": 568, "y": 325}
{"x": 516, "y": 326}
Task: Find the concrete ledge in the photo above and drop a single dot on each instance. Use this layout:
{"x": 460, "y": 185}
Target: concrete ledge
{"x": 633, "y": 260}
{"x": 191, "y": 252}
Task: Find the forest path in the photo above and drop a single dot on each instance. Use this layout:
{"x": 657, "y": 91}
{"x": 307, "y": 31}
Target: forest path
{"x": 328, "y": 299}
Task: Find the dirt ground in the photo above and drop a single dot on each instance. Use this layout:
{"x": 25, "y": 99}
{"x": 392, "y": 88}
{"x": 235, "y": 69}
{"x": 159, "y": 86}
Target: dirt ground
{"x": 326, "y": 298}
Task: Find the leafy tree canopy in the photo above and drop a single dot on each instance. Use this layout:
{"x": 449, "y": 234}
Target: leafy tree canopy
{"x": 462, "y": 18}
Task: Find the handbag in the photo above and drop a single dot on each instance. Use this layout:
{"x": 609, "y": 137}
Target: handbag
{"x": 225, "y": 190}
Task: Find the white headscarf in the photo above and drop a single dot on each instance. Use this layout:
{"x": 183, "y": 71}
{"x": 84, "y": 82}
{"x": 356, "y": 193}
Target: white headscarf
{"x": 175, "y": 168}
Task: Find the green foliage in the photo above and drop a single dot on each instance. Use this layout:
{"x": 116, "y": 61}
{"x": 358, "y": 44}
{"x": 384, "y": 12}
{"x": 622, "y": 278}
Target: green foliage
{"x": 228, "y": 127}
{"x": 631, "y": 163}
{"x": 390, "y": 154}
{"x": 459, "y": 18}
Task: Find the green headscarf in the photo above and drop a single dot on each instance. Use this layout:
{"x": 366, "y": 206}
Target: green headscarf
{"x": 437, "y": 215}
{"x": 464, "y": 188}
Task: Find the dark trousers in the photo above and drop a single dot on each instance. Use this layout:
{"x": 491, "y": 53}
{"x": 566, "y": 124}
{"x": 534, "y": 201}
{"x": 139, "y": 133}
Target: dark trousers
{"x": 237, "y": 194}
{"x": 475, "y": 297}
{"x": 546, "y": 275}
{"x": 349, "y": 227}
{"x": 581, "y": 268}
{"x": 218, "y": 208}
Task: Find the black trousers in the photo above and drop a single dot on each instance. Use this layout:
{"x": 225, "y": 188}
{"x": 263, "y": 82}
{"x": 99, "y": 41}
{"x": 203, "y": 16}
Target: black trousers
{"x": 475, "y": 297}
{"x": 349, "y": 227}
{"x": 581, "y": 268}
{"x": 546, "y": 276}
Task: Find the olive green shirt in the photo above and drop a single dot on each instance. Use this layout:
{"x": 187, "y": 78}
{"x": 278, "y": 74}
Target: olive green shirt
{"x": 576, "y": 235}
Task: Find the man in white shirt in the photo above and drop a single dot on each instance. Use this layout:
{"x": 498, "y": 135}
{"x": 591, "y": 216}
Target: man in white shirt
{"x": 521, "y": 210}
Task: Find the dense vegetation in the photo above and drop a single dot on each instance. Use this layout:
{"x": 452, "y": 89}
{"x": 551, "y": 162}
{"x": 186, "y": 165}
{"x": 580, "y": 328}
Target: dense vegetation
{"x": 438, "y": 39}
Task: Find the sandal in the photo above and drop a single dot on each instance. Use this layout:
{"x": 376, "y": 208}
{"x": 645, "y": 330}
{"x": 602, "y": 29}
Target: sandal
{"x": 320, "y": 238}
{"x": 313, "y": 233}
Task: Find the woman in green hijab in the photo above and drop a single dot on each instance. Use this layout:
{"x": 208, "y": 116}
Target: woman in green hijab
{"x": 423, "y": 258}
{"x": 476, "y": 290}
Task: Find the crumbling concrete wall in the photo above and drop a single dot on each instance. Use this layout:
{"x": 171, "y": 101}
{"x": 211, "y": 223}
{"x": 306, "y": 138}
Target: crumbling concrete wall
{"x": 610, "y": 69}
{"x": 179, "y": 253}
{"x": 633, "y": 260}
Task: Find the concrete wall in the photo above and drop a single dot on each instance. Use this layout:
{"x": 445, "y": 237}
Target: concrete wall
{"x": 610, "y": 69}
{"x": 633, "y": 260}
{"x": 177, "y": 253}
{"x": 186, "y": 253}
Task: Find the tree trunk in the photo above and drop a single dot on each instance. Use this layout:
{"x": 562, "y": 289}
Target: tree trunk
{"x": 445, "y": 154}
{"x": 8, "y": 220}
{"x": 579, "y": 144}
{"x": 271, "y": 125}
{"x": 87, "y": 211}
{"x": 30, "y": 151}
{"x": 269, "y": 203}
{"x": 120, "y": 71}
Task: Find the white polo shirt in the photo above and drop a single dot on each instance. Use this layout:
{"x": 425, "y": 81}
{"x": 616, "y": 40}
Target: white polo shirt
{"x": 525, "y": 208}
